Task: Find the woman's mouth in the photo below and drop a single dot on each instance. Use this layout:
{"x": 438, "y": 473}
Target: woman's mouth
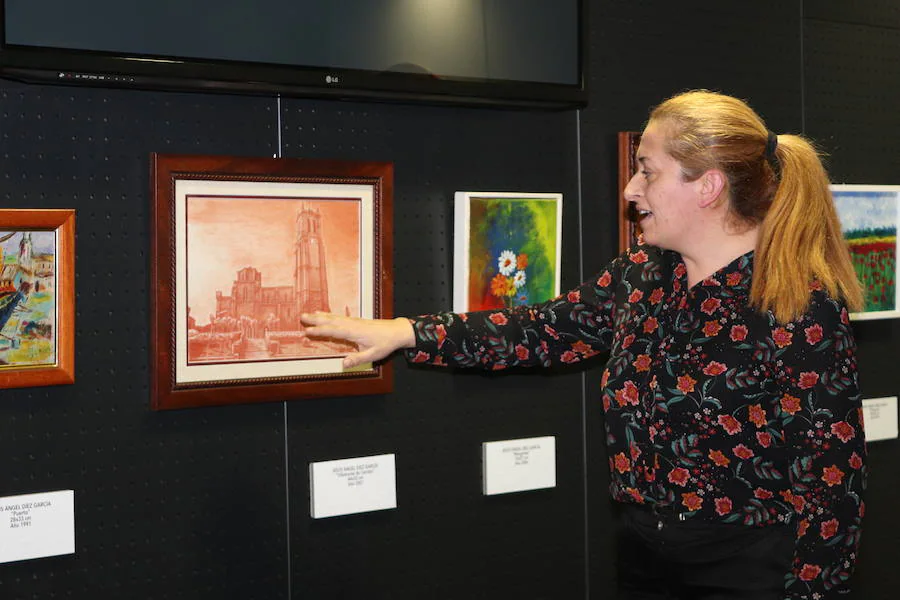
{"x": 636, "y": 214}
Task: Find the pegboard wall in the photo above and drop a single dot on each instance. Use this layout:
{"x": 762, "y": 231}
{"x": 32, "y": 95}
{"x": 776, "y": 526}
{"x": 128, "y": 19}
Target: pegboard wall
{"x": 213, "y": 503}
{"x": 436, "y": 422}
{"x": 852, "y": 72}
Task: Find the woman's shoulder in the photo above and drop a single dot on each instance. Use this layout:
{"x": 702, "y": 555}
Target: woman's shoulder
{"x": 825, "y": 307}
{"x": 825, "y": 312}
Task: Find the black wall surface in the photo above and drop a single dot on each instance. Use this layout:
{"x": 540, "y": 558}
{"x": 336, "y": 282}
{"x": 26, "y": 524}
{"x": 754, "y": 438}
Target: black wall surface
{"x": 852, "y": 91}
{"x": 213, "y": 503}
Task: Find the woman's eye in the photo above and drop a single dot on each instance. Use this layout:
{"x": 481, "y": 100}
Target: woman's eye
{"x": 645, "y": 173}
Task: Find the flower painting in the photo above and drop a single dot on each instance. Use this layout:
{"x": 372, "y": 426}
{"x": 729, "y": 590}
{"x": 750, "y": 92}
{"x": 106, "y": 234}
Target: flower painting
{"x": 507, "y": 249}
{"x": 869, "y": 215}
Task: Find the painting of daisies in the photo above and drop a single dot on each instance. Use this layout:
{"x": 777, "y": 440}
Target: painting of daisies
{"x": 869, "y": 215}
{"x": 507, "y": 249}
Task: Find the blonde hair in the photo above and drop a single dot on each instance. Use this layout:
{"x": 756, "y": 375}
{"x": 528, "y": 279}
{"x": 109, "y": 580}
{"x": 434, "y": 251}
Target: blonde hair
{"x": 786, "y": 193}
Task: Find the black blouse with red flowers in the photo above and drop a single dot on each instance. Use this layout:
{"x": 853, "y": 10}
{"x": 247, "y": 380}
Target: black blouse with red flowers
{"x": 712, "y": 408}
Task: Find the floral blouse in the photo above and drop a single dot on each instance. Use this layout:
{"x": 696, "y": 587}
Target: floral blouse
{"x": 713, "y": 409}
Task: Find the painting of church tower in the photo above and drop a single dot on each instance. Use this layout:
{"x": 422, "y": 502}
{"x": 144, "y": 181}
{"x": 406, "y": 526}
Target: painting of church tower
{"x": 310, "y": 276}
{"x": 298, "y": 248}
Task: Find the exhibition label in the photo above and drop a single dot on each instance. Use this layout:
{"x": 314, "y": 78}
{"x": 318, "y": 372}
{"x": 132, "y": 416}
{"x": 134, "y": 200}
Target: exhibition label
{"x": 37, "y": 525}
{"x": 519, "y": 465}
{"x": 352, "y": 485}
{"x": 880, "y": 418}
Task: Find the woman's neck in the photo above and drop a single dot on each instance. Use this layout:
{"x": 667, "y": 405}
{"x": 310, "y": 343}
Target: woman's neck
{"x": 716, "y": 252}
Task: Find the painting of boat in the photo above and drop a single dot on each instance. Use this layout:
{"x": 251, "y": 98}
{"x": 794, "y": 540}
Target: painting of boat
{"x": 27, "y": 299}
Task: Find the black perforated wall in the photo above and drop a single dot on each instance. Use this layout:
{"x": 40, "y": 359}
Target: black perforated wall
{"x": 852, "y": 68}
{"x": 529, "y": 544}
{"x": 173, "y": 505}
{"x": 213, "y": 503}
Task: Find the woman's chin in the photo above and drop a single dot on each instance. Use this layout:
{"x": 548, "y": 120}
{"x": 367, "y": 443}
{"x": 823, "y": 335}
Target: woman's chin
{"x": 647, "y": 236}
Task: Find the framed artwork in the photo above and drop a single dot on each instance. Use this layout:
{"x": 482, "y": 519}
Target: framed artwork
{"x": 242, "y": 247}
{"x": 507, "y": 249}
{"x": 629, "y": 230}
{"x": 37, "y": 297}
{"x": 869, "y": 216}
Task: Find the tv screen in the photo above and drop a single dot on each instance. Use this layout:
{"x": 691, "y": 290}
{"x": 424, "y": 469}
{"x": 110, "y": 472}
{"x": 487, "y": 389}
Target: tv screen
{"x": 496, "y": 52}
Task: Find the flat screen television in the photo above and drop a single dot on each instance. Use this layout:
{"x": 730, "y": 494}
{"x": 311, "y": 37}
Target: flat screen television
{"x": 517, "y": 53}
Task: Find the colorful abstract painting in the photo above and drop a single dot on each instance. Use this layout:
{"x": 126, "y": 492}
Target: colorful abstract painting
{"x": 27, "y": 298}
{"x": 507, "y": 249}
{"x": 869, "y": 216}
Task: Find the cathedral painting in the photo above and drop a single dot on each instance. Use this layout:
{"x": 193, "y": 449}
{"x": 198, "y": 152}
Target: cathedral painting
{"x": 257, "y": 264}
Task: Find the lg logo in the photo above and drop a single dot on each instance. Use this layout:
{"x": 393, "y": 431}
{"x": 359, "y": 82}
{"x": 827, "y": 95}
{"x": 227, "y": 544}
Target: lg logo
{"x": 332, "y": 79}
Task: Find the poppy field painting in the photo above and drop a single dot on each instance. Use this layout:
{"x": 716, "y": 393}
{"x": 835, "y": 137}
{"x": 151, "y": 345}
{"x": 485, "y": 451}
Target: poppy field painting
{"x": 869, "y": 215}
{"x": 507, "y": 249}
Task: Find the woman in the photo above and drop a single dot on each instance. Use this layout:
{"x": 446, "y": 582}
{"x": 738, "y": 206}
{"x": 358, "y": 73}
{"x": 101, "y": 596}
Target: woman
{"x": 733, "y": 418}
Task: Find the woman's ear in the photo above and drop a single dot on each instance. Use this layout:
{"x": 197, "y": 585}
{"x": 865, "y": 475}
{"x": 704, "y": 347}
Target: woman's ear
{"x": 712, "y": 184}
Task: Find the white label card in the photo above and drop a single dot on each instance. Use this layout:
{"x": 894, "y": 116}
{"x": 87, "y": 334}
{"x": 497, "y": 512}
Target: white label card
{"x": 352, "y": 485}
{"x": 37, "y": 525}
{"x": 880, "y": 418}
{"x": 519, "y": 465}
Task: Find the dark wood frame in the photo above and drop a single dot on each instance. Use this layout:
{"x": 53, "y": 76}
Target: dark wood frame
{"x": 61, "y": 221}
{"x": 628, "y": 227}
{"x": 166, "y": 391}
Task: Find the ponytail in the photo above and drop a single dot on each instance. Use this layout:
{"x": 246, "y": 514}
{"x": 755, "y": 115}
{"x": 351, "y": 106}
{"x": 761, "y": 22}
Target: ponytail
{"x": 800, "y": 239}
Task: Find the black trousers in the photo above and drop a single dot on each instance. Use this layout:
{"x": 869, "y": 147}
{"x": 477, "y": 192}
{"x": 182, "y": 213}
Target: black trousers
{"x": 699, "y": 561}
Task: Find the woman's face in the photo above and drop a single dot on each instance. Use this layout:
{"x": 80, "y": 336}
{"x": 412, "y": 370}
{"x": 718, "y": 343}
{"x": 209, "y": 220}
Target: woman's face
{"x": 667, "y": 205}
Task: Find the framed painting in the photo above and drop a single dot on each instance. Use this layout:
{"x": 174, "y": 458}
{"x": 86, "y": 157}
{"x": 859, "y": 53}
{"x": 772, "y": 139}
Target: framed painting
{"x": 507, "y": 249}
{"x": 869, "y": 216}
{"x": 241, "y": 248}
{"x": 629, "y": 230}
{"x": 37, "y": 297}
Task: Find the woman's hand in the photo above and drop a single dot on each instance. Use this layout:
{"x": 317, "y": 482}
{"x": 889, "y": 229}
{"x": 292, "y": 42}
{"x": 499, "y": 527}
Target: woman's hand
{"x": 376, "y": 338}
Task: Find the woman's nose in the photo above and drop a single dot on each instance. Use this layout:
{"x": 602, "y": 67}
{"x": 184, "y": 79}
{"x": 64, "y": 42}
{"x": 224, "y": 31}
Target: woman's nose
{"x": 632, "y": 190}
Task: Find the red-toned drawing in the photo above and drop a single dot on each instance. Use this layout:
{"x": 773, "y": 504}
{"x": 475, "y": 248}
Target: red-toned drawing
{"x": 257, "y": 264}
{"x": 242, "y": 247}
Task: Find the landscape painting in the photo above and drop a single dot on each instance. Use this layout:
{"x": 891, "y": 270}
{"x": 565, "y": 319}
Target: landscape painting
{"x": 869, "y": 216}
{"x": 28, "y": 330}
{"x": 255, "y": 264}
{"x": 507, "y": 249}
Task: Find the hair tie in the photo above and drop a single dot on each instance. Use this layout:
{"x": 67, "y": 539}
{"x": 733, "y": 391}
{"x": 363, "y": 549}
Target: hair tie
{"x": 771, "y": 157}
{"x": 771, "y": 145}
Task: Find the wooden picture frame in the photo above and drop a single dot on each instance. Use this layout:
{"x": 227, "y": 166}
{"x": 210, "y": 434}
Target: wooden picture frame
{"x": 241, "y": 247}
{"x": 37, "y": 297}
{"x": 629, "y": 230}
{"x": 507, "y": 249}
